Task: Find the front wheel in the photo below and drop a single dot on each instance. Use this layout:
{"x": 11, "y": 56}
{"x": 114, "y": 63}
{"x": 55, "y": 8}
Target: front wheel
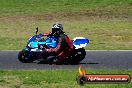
{"x": 24, "y": 57}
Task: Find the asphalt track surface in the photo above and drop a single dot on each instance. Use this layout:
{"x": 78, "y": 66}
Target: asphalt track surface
{"x": 93, "y": 60}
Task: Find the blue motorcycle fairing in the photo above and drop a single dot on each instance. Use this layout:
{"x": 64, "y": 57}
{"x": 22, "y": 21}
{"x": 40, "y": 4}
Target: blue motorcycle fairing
{"x": 33, "y": 38}
{"x": 35, "y": 44}
{"x": 49, "y": 41}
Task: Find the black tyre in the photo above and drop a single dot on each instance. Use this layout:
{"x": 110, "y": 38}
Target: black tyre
{"x": 24, "y": 57}
{"x": 78, "y": 55}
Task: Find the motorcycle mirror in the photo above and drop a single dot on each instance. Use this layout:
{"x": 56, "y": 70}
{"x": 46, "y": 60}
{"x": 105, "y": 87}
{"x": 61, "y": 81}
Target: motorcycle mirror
{"x": 36, "y": 30}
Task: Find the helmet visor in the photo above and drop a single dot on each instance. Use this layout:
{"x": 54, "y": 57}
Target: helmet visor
{"x": 55, "y": 30}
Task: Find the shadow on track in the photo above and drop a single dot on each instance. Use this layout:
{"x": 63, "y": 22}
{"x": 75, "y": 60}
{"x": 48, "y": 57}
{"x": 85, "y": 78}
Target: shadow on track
{"x": 89, "y": 63}
{"x": 84, "y": 63}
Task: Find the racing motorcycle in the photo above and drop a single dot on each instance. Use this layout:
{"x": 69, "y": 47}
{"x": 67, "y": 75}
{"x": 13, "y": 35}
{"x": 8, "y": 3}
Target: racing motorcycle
{"x": 35, "y": 45}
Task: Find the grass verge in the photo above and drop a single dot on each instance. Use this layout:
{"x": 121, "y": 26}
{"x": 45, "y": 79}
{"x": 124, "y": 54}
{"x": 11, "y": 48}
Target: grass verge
{"x": 54, "y": 79}
{"x": 106, "y": 23}
{"x": 106, "y": 7}
{"x": 103, "y": 34}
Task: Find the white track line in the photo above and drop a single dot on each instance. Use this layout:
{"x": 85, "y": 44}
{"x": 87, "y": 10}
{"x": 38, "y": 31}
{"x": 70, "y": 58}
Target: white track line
{"x": 86, "y": 50}
{"x": 108, "y": 50}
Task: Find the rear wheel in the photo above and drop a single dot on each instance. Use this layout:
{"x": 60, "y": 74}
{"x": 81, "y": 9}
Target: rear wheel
{"x": 24, "y": 57}
{"x": 78, "y": 55}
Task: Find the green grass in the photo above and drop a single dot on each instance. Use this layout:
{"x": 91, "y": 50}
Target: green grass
{"x": 106, "y": 23}
{"x": 15, "y": 7}
{"x": 54, "y": 79}
{"x": 108, "y": 35}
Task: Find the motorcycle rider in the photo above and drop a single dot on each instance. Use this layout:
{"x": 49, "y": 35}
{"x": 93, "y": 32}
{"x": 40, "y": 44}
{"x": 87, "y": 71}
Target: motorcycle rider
{"x": 64, "y": 45}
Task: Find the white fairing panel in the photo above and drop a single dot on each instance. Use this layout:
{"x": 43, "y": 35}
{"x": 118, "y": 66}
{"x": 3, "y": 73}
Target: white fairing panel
{"x": 80, "y": 42}
{"x": 36, "y": 50}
